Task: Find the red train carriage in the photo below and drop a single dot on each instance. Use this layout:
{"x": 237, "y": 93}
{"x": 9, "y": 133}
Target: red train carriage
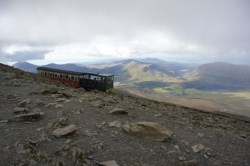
{"x": 67, "y": 77}
{"x": 89, "y": 81}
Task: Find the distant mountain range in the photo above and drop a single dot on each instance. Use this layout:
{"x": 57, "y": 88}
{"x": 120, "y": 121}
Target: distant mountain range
{"x": 25, "y": 66}
{"x": 152, "y": 72}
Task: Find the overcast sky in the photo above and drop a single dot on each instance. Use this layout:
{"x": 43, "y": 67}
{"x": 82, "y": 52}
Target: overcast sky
{"x": 61, "y": 31}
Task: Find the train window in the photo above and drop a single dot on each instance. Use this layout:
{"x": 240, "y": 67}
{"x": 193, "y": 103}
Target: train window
{"x": 86, "y": 76}
{"x": 72, "y": 77}
{"x": 45, "y": 73}
{"x": 93, "y": 77}
{"x": 51, "y": 74}
{"x": 55, "y": 75}
{"x": 66, "y": 77}
{"x": 61, "y": 76}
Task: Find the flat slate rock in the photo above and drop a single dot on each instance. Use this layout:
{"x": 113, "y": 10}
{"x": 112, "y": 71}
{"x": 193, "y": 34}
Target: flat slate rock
{"x": 64, "y": 131}
{"x": 23, "y": 103}
{"x": 28, "y": 117}
{"x": 116, "y": 123}
{"x": 19, "y": 110}
{"x": 150, "y": 130}
{"x": 109, "y": 163}
{"x": 118, "y": 111}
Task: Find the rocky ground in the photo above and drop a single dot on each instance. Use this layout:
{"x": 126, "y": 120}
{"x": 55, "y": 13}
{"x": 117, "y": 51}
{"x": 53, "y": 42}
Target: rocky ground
{"x": 47, "y": 123}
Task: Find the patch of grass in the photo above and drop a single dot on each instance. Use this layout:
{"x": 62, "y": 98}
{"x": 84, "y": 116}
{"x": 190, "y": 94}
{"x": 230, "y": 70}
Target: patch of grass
{"x": 151, "y": 84}
{"x": 160, "y": 90}
{"x": 244, "y": 94}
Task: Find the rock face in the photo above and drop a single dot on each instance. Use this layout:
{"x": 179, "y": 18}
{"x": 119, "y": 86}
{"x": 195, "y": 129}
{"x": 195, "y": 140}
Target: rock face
{"x": 64, "y": 131}
{"x": 150, "y": 130}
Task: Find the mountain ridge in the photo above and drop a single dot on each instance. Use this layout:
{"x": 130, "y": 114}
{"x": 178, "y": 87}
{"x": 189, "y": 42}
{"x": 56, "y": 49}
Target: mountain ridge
{"x": 210, "y": 76}
{"x": 219, "y": 75}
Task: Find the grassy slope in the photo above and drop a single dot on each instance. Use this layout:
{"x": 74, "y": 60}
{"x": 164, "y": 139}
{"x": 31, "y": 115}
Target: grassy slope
{"x": 139, "y": 73}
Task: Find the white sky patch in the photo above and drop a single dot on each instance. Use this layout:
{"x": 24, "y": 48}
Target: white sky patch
{"x": 118, "y": 47}
{"x": 12, "y": 49}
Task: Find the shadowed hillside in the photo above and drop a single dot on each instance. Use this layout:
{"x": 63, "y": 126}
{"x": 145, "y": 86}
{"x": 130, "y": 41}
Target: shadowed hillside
{"x": 219, "y": 76}
{"x": 25, "y": 66}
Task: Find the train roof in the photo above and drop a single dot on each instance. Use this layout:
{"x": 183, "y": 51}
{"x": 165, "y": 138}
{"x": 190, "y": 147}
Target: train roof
{"x": 71, "y": 72}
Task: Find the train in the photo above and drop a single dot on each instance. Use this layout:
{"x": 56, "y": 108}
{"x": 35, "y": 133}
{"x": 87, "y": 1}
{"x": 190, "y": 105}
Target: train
{"x": 88, "y": 81}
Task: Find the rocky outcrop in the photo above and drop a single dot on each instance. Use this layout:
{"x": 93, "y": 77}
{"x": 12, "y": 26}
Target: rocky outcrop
{"x": 198, "y": 148}
{"x": 28, "y": 117}
{"x": 109, "y": 163}
{"x": 118, "y": 111}
{"x": 64, "y": 131}
{"x": 150, "y": 130}
{"x": 116, "y": 123}
{"x": 23, "y": 103}
{"x": 19, "y": 110}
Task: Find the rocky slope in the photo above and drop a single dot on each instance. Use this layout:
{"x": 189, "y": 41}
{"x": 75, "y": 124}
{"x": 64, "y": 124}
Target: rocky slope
{"x": 46, "y": 123}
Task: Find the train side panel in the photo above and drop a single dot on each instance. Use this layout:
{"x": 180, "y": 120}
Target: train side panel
{"x": 73, "y": 83}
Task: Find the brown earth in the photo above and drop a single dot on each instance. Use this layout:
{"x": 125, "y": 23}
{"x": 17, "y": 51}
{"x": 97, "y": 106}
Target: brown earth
{"x": 204, "y": 105}
{"x": 199, "y": 138}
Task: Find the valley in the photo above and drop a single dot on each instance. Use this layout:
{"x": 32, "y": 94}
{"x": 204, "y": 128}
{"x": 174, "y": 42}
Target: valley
{"x": 215, "y": 86}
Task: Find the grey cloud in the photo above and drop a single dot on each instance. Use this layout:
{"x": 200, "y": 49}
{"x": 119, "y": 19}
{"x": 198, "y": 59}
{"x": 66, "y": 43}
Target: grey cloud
{"x": 221, "y": 26}
{"x": 23, "y": 56}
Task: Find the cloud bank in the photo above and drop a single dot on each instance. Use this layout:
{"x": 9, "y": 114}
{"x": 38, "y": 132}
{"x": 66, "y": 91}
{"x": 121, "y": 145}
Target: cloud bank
{"x": 80, "y": 30}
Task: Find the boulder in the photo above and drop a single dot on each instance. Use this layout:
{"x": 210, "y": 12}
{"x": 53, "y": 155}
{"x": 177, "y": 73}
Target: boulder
{"x": 39, "y": 103}
{"x": 198, "y": 148}
{"x": 115, "y": 124}
{"x": 23, "y": 103}
{"x": 59, "y": 106}
{"x": 118, "y": 111}
{"x": 64, "y": 131}
{"x": 49, "y": 91}
{"x": 60, "y": 122}
{"x": 19, "y": 110}
{"x": 109, "y": 163}
{"x": 150, "y": 130}
{"x": 28, "y": 117}
{"x": 50, "y": 105}
{"x": 190, "y": 163}
{"x": 67, "y": 95}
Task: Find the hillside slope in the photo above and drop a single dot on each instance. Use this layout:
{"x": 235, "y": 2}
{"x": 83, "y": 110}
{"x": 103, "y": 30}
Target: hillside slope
{"x": 219, "y": 76}
{"x": 25, "y": 66}
{"x": 38, "y": 116}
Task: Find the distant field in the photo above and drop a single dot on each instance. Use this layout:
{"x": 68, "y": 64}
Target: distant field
{"x": 236, "y": 102}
